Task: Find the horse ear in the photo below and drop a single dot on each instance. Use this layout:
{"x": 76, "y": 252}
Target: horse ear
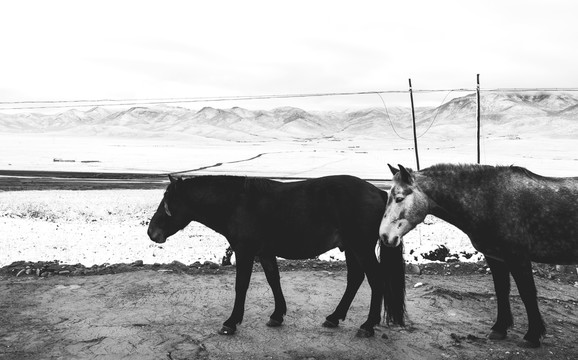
{"x": 405, "y": 175}
{"x": 393, "y": 170}
{"x": 174, "y": 179}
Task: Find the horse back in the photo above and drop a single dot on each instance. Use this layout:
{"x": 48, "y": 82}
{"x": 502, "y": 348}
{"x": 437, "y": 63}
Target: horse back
{"x": 548, "y": 213}
{"x": 530, "y": 214}
{"x": 306, "y": 218}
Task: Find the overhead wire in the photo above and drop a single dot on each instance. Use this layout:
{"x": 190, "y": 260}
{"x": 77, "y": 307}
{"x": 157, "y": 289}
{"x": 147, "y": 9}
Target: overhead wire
{"x": 389, "y": 118}
{"x": 83, "y": 103}
{"x": 436, "y": 115}
{"x": 225, "y": 98}
{"x": 158, "y": 101}
{"x": 56, "y": 104}
{"x": 430, "y": 124}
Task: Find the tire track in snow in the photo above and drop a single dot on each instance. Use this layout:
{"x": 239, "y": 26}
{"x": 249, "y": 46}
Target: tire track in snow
{"x": 230, "y": 162}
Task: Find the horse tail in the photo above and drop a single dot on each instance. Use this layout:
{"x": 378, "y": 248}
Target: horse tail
{"x": 393, "y": 268}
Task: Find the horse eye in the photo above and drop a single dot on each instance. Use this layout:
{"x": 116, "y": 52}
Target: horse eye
{"x": 398, "y": 199}
{"x": 167, "y": 211}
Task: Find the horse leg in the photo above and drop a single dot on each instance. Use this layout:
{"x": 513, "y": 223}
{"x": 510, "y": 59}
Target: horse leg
{"x": 355, "y": 277}
{"x": 271, "y": 269}
{"x": 370, "y": 266}
{"x": 242, "y": 278}
{"x": 501, "y": 276}
{"x": 522, "y": 273}
{"x": 392, "y": 267}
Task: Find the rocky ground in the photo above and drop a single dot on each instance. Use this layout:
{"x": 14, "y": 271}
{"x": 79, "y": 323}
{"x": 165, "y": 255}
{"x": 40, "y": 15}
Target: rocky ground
{"x": 172, "y": 311}
{"x": 560, "y": 274}
{"x": 157, "y": 308}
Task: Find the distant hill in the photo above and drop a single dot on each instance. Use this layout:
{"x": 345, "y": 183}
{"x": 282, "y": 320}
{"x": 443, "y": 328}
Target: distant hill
{"x": 502, "y": 113}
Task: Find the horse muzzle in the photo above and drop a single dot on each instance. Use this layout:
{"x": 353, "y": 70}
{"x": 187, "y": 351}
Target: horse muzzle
{"x": 390, "y": 241}
{"x": 156, "y": 235}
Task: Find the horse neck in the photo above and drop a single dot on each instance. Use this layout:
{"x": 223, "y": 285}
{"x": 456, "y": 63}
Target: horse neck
{"x": 449, "y": 199}
{"x": 215, "y": 202}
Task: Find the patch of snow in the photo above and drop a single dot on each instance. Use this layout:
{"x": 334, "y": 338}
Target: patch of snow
{"x": 110, "y": 226}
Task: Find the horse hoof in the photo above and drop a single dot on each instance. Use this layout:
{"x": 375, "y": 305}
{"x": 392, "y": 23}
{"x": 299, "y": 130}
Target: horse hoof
{"x": 496, "y": 335}
{"x": 363, "y": 333}
{"x": 530, "y": 344}
{"x": 330, "y": 324}
{"x": 226, "y": 330}
{"x": 274, "y": 323}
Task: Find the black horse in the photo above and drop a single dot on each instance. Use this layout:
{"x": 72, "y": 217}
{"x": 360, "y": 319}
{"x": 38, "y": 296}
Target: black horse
{"x": 510, "y": 214}
{"x": 295, "y": 220}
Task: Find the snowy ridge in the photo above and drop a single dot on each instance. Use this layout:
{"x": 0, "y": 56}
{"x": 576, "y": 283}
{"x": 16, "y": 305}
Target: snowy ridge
{"x": 545, "y": 114}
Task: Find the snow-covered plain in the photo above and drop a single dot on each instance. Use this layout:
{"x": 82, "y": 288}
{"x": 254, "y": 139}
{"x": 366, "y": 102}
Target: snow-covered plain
{"x": 109, "y": 226}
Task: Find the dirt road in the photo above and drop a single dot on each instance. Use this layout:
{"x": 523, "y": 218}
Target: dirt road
{"x": 151, "y": 314}
{"x": 19, "y": 180}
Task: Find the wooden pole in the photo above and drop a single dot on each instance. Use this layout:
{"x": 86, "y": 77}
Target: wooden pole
{"x": 414, "y": 130}
{"x": 478, "y": 113}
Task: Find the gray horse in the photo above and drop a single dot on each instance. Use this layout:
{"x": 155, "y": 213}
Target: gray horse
{"x": 510, "y": 214}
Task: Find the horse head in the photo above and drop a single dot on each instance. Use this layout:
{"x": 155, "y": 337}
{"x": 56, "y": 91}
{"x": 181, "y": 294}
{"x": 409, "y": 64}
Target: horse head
{"x": 171, "y": 215}
{"x": 406, "y": 207}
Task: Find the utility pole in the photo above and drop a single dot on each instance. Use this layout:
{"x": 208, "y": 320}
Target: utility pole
{"x": 478, "y": 113}
{"x": 414, "y": 130}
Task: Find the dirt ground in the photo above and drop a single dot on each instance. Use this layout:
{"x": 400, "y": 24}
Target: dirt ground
{"x": 156, "y": 312}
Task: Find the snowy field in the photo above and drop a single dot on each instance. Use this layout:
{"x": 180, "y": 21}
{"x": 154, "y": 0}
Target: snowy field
{"x": 365, "y": 158}
{"x": 109, "y": 226}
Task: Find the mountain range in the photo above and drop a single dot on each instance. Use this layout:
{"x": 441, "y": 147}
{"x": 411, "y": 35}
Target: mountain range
{"x": 502, "y": 113}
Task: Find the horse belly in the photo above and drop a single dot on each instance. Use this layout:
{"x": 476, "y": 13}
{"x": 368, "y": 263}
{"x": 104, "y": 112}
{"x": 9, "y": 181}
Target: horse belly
{"x": 489, "y": 250}
{"x": 306, "y": 246}
{"x": 552, "y": 230}
{"x": 554, "y": 244}
{"x": 552, "y": 253}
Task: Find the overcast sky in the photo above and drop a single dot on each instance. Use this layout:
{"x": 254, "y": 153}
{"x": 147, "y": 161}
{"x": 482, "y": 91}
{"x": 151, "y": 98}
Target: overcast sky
{"x": 67, "y": 50}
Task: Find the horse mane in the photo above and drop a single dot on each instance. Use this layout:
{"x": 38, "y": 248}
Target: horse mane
{"x": 489, "y": 169}
{"x": 239, "y": 183}
{"x": 446, "y": 167}
{"x": 217, "y": 179}
{"x": 259, "y": 185}
{"x": 525, "y": 172}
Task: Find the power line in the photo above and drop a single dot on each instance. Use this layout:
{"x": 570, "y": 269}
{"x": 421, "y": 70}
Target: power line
{"x": 389, "y": 118}
{"x": 57, "y": 104}
{"x": 221, "y": 98}
{"x": 529, "y": 90}
{"x": 158, "y": 101}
